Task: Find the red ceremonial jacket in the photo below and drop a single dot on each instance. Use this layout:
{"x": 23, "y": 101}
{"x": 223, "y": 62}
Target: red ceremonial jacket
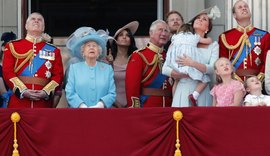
{"x": 142, "y": 70}
{"x": 258, "y": 44}
{"x": 18, "y": 56}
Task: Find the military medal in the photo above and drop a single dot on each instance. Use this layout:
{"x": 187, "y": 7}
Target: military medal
{"x": 257, "y": 50}
{"x": 41, "y": 54}
{"x": 52, "y": 56}
{"x": 47, "y": 54}
{"x": 258, "y": 61}
{"x": 48, "y": 64}
{"x": 48, "y": 74}
{"x": 257, "y": 43}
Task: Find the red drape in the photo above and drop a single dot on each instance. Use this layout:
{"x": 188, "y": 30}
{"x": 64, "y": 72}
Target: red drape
{"x": 204, "y": 131}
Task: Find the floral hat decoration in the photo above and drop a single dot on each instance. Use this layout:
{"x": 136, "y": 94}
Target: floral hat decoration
{"x": 83, "y": 35}
{"x": 212, "y": 12}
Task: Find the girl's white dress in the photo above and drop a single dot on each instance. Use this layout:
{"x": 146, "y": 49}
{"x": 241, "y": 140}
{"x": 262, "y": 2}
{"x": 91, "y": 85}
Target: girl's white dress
{"x": 186, "y": 43}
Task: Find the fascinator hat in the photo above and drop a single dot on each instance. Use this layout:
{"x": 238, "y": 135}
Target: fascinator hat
{"x": 212, "y": 13}
{"x": 132, "y": 26}
{"x": 85, "y": 34}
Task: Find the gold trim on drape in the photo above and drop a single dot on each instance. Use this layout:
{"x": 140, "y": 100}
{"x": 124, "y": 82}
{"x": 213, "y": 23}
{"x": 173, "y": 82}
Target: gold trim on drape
{"x": 177, "y": 115}
{"x": 15, "y": 117}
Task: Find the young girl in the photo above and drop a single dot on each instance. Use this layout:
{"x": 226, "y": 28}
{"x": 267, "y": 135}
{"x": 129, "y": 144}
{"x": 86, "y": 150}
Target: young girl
{"x": 185, "y": 44}
{"x": 227, "y": 91}
{"x": 255, "y": 97}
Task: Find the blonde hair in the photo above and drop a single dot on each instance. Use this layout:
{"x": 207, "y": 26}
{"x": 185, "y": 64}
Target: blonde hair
{"x": 218, "y": 78}
{"x": 247, "y": 78}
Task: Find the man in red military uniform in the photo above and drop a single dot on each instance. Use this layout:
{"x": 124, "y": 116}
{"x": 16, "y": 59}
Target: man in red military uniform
{"x": 32, "y": 68}
{"x": 145, "y": 84}
{"x": 246, "y": 46}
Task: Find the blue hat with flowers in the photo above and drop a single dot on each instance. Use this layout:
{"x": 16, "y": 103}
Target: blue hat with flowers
{"x": 83, "y": 35}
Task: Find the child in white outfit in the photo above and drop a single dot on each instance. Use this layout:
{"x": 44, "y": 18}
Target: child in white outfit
{"x": 255, "y": 97}
{"x": 185, "y": 43}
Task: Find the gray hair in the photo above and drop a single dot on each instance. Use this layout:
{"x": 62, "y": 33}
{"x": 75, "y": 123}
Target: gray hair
{"x": 99, "y": 50}
{"x": 29, "y": 17}
{"x": 154, "y": 25}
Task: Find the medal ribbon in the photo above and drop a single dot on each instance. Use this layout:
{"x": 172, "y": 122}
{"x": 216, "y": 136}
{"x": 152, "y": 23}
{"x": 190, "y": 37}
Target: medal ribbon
{"x": 243, "y": 52}
{"x": 37, "y": 61}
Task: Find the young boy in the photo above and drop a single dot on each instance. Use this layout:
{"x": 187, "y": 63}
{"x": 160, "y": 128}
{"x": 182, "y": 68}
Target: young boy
{"x": 255, "y": 97}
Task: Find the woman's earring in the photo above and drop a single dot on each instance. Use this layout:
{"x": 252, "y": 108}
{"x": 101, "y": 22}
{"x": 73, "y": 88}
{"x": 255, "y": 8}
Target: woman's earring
{"x": 206, "y": 32}
{"x": 110, "y": 56}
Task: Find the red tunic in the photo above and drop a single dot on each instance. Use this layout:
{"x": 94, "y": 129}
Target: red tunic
{"x": 254, "y": 63}
{"x": 50, "y": 72}
{"x": 138, "y": 70}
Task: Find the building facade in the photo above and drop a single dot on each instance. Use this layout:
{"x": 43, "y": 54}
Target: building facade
{"x": 14, "y": 12}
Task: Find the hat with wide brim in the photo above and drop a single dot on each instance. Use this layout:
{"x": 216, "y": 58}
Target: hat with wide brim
{"x": 83, "y": 35}
{"x": 132, "y": 26}
{"x": 212, "y": 12}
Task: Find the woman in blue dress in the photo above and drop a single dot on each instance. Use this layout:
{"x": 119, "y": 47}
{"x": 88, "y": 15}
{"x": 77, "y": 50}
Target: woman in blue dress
{"x": 90, "y": 83}
{"x": 183, "y": 96}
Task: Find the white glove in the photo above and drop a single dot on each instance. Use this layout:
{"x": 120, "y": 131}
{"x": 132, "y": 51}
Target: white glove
{"x": 83, "y": 105}
{"x": 100, "y": 104}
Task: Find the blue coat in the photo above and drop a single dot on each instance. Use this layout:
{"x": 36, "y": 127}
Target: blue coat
{"x": 90, "y": 84}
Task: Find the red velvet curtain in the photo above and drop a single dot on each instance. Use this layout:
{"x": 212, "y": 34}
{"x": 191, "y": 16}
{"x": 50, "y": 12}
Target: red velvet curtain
{"x": 96, "y": 132}
{"x": 204, "y": 131}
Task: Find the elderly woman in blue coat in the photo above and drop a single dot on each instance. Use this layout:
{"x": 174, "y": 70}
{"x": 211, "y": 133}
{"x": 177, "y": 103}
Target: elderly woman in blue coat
{"x": 90, "y": 83}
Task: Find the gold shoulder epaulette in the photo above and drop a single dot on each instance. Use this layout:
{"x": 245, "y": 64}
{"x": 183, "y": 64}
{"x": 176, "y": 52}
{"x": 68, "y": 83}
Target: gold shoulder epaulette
{"x": 241, "y": 40}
